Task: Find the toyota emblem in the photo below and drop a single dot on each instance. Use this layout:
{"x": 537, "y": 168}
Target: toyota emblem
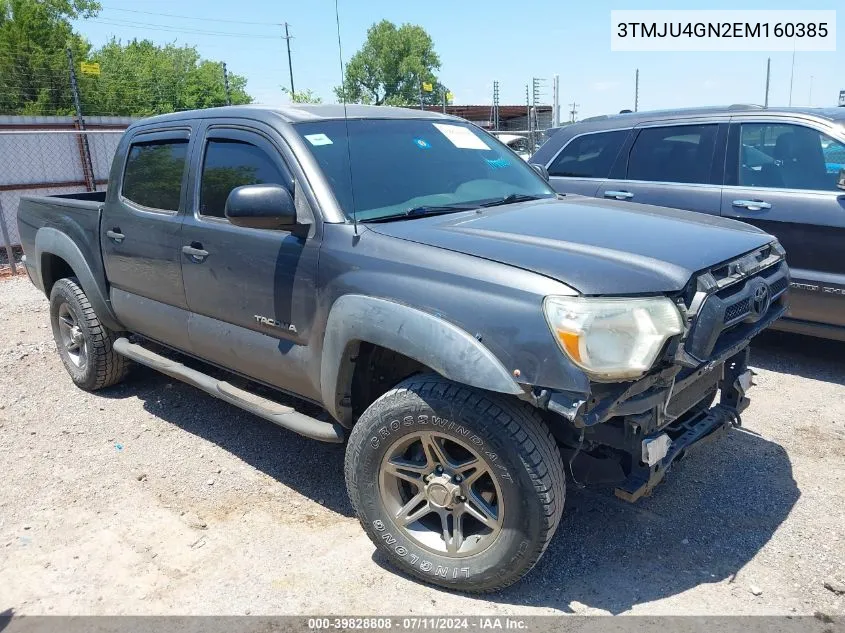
{"x": 760, "y": 300}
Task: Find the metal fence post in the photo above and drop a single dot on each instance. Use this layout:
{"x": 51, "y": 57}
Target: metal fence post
{"x": 226, "y": 85}
{"x": 6, "y": 241}
{"x": 84, "y": 150}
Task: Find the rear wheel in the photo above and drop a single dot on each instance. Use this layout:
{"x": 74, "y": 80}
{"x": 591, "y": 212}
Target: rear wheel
{"x": 84, "y": 343}
{"x": 456, "y": 486}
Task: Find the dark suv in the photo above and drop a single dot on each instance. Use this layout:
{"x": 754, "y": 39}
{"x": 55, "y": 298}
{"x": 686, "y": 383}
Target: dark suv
{"x": 778, "y": 169}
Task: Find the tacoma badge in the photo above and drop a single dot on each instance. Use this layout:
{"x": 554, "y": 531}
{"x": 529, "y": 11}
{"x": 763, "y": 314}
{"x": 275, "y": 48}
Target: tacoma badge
{"x": 290, "y": 327}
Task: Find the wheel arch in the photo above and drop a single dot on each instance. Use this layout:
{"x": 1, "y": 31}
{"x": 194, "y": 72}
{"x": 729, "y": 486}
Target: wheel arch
{"x": 58, "y": 257}
{"x": 359, "y": 323}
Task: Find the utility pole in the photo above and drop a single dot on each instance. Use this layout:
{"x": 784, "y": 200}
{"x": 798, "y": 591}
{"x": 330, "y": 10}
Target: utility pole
{"x": 537, "y": 96}
{"x": 290, "y": 62}
{"x": 556, "y": 101}
{"x": 528, "y": 116}
{"x": 85, "y": 151}
{"x": 768, "y": 79}
{"x": 537, "y": 90}
{"x": 573, "y": 111}
{"x": 226, "y": 85}
{"x": 444, "y": 101}
{"x": 495, "y": 105}
{"x": 791, "y": 76}
{"x": 637, "y": 90}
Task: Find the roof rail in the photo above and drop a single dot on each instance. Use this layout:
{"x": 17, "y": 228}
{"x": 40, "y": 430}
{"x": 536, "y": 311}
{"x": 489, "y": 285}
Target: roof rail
{"x": 678, "y": 111}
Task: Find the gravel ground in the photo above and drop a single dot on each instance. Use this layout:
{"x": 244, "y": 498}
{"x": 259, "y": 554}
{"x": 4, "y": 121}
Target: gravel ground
{"x": 153, "y": 498}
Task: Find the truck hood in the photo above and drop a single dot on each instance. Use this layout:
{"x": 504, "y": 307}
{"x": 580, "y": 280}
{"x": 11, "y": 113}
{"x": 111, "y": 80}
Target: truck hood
{"x": 597, "y": 247}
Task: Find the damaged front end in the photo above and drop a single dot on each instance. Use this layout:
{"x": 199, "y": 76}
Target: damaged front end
{"x": 629, "y": 434}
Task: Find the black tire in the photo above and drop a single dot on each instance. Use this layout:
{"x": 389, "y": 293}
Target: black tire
{"x": 514, "y": 444}
{"x": 92, "y": 364}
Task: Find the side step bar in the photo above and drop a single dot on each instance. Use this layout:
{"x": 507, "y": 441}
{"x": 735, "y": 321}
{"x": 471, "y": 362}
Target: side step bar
{"x": 274, "y": 412}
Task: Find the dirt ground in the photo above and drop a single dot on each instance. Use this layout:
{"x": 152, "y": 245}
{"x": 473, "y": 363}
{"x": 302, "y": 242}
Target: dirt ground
{"x": 154, "y": 498}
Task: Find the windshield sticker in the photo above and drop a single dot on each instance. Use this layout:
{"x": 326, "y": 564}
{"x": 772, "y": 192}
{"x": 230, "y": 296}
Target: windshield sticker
{"x": 498, "y": 163}
{"x": 318, "y": 139}
{"x": 422, "y": 143}
{"x": 461, "y": 137}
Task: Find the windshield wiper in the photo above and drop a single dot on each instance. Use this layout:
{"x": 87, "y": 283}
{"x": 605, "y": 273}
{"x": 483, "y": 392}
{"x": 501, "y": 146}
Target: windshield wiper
{"x": 514, "y": 197}
{"x": 419, "y": 212}
{"x": 429, "y": 210}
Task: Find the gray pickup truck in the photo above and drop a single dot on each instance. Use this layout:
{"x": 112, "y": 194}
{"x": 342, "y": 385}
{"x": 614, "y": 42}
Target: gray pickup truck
{"x": 473, "y": 336}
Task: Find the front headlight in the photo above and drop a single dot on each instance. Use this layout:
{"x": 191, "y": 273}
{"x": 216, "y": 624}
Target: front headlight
{"x": 612, "y": 339}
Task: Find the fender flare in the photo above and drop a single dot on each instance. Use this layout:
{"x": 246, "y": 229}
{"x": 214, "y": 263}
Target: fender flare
{"x": 53, "y": 242}
{"x": 428, "y": 339}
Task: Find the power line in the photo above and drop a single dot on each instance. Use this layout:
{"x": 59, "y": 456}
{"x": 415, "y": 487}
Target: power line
{"x": 162, "y": 27}
{"x": 185, "y": 17}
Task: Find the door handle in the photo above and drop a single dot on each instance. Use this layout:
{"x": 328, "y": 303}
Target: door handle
{"x": 195, "y": 252}
{"x": 115, "y": 235}
{"x": 752, "y": 205}
{"x": 619, "y": 195}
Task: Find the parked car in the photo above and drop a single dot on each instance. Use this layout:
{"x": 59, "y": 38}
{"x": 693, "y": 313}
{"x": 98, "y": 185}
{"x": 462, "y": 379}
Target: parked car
{"x": 775, "y": 168}
{"x": 462, "y": 326}
{"x": 519, "y": 144}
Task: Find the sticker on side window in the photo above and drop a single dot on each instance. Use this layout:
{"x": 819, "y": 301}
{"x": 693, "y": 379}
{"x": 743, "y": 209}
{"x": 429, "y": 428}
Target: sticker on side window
{"x": 460, "y": 136}
{"x": 318, "y": 139}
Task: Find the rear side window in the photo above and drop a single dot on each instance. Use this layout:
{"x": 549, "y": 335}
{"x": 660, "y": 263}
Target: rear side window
{"x": 229, "y": 164}
{"x": 589, "y": 156}
{"x": 681, "y": 153}
{"x": 153, "y": 174}
{"x": 789, "y": 156}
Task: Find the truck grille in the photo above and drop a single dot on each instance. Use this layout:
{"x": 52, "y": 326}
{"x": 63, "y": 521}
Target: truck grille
{"x": 734, "y": 301}
{"x": 737, "y": 310}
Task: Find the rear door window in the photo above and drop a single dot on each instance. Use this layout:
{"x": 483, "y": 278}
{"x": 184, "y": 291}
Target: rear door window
{"x": 589, "y": 156}
{"x": 680, "y": 153}
{"x": 153, "y": 174}
{"x": 786, "y": 156}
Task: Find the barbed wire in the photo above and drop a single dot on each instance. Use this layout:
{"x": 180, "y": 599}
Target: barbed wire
{"x": 46, "y": 88}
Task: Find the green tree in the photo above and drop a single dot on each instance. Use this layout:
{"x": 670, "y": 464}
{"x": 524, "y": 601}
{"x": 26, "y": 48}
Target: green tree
{"x": 204, "y": 87}
{"x": 392, "y": 66}
{"x": 139, "y": 79}
{"x": 34, "y": 36}
{"x": 302, "y": 96}
{"x": 136, "y": 79}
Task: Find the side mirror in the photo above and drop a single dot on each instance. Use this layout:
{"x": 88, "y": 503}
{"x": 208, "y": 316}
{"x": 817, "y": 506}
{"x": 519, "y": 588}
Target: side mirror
{"x": 841, "y": 182}
{"x": 541, "y": 169}
{"x": 261, "y": 207}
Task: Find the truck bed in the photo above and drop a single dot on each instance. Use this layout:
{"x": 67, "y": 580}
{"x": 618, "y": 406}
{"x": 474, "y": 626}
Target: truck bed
{"x": 76, "y": 215}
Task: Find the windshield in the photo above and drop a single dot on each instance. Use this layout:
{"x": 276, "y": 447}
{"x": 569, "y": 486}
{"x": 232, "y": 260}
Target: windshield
{"x": 400, "y": 165}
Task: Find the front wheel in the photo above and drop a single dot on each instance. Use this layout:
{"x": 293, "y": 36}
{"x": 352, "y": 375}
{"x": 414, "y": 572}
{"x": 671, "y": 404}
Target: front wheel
{"x": 456, "y": 486}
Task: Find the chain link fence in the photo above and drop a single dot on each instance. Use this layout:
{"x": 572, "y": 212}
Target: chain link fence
{"x": 44, "y": 155}
{"x": 45, "y": 160}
